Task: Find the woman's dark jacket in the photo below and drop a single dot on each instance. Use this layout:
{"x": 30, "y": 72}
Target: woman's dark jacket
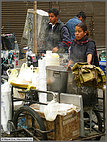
{"x": 81, "y": 48}
{"x": 58, "y": 37}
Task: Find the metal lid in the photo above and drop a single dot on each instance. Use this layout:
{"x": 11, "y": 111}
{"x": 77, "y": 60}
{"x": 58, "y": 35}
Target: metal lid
{"x": 57, "y": 68}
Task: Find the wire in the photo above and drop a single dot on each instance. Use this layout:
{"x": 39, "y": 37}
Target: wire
{"x": 4, "y": 60}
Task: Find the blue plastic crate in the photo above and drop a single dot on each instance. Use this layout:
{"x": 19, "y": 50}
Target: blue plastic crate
{"x": 102, "y": 65}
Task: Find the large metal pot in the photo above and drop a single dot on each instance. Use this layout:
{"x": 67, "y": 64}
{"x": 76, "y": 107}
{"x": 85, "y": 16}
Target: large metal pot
{"x": 89, "y": 94}
{"x": 56, "y": 78}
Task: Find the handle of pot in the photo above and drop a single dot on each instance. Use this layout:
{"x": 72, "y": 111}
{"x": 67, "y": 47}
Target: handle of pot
{"x": 56, "y": 74}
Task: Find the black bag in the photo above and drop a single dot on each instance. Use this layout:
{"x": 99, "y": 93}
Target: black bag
{"x": 96, "y": 61}
{"x": 8, "y": 41}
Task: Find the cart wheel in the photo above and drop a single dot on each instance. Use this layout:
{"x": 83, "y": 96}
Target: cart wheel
{"x": 27, "y": 118}
{"x": 96, "y": 122}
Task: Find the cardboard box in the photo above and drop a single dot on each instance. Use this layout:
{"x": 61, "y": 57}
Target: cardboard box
{"x": 67, "y": 126}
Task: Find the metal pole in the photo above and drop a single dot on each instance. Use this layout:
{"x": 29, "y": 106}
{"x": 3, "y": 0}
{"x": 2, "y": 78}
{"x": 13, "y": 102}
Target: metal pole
{"x": 35, "y": 27}
{"x": 104, "y": 108}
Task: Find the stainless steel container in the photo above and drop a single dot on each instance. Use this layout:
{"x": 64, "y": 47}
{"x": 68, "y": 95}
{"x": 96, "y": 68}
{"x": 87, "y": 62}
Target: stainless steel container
{"x": 89, "y": 94}
{"x": 56, "y": 78}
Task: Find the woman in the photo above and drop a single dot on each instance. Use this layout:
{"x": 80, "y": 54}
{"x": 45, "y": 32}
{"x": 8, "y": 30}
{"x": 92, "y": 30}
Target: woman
{"x": 82, "y": 49}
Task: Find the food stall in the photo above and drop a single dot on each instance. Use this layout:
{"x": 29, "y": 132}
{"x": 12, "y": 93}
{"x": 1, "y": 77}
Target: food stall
{"x": 55, "y": 113}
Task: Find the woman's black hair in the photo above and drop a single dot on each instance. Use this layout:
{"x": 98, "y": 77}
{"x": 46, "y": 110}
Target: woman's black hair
{"x": 54, "y": 11}
{"x": 83, "y": 26}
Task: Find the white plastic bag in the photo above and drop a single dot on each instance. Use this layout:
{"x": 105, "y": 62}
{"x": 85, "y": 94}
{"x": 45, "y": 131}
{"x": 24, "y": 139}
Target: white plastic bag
{"x": 51, "y": 111}
{"x": 6, "y": 105}
{"x": 26, "y": 73}
{"x": 35, "y": 78}
{"x": 12, "y": 74}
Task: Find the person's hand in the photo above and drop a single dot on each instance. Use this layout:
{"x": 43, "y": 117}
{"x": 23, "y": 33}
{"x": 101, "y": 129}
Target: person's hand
{"x": 43, "y": 54}
{"x": 55, "y": 49}
{"x": 70, "y": 63}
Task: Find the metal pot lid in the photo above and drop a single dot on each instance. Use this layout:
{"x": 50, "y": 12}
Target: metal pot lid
{"x": 57, "y": 68}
